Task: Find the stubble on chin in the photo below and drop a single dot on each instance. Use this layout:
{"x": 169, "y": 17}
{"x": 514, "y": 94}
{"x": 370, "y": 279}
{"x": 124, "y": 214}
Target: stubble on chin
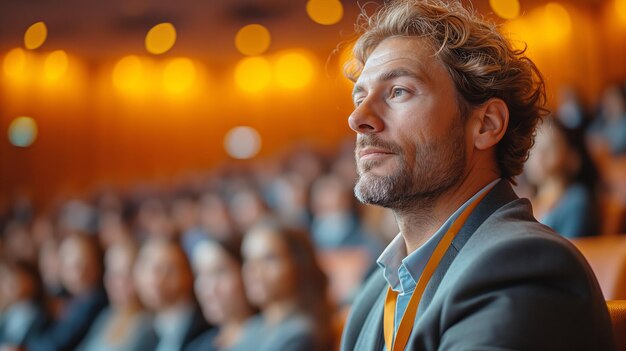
{"x": 438, "y": 167}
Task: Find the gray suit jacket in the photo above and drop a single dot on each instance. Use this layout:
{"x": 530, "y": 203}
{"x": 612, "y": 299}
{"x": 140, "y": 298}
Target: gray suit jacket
{"x": 506, "y": 283}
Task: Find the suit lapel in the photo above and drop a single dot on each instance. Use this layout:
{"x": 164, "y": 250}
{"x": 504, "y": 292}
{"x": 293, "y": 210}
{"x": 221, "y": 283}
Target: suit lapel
{"x": 501, "y": 194}
{"x": 371, "y": 337}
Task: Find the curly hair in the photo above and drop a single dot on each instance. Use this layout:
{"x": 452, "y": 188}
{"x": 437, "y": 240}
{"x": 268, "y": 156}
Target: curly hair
{"x": 479, "y": 59}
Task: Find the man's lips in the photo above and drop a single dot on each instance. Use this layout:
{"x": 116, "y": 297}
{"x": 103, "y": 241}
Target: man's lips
{"x": 371, "y": 152}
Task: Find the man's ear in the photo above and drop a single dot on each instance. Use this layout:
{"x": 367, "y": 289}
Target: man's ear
{"x": 493, "y": 119}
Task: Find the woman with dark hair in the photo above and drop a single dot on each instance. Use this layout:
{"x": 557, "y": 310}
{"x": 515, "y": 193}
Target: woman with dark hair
{"x": 81, "y": 269}
{"x": 119, "y": 326}
{"x": 220, "y": 292}
{"x": 25, "y": 313}
{"x": 565, "y": 177}
{"x": 164, "y": 281}
{"x": 282, "y": 278}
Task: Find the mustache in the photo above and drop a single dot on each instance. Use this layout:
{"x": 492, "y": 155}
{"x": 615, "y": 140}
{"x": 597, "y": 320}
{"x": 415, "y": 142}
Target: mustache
{"x": 372, "y": 140}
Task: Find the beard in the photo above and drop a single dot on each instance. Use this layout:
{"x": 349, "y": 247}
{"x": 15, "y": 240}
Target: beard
{"x": 438, "y": 166}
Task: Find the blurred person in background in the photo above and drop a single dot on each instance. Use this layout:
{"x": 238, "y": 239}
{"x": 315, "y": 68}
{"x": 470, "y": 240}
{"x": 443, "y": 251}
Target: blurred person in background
{"x": 153, "y": 220}
{"x": 76, "y": 216}
{"x": 50, "y": 269}
{"x": 81, "y": 270}
{"x": 119, "y": 326}
{"x": 283, "y": 279}
{"x": 565, "y": 177}
{"x": 164, "y": 282}
{"x": 608, "y": 130}
{"x": 185, "y": 214}
{"x": 215, "y": 219}
{"x": 25, "y": 312}
{"x": 111, "y": 228}
{"x": 335, "y": 222}
{"x": 247, "y": 208}
{"x": 289, "y": 195}
{"x": 305, "y": 161}
{"x": 570, "y": 111}
{"x": 220, "y": 291}
{"x": 18, "y": 242}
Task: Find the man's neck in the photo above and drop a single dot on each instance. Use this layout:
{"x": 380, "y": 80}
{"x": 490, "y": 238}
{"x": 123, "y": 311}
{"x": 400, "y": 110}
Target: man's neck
{"x": 419, "y": 222}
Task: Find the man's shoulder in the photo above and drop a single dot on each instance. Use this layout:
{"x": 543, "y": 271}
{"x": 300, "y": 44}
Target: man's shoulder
{"x": 512, "y": 232}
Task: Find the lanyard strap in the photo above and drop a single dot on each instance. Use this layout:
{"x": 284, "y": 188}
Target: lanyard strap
{"x": 408, "y": 318}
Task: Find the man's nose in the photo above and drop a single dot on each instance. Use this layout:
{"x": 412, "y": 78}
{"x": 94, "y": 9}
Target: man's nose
{"x": 365, "y": 120}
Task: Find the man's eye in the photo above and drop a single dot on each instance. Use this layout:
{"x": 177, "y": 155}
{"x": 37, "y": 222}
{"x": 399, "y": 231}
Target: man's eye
{"x": 397, "y": 92}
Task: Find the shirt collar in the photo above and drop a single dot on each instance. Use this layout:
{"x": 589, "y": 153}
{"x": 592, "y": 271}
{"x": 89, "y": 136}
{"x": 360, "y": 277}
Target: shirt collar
{"x": 401, "y": 271}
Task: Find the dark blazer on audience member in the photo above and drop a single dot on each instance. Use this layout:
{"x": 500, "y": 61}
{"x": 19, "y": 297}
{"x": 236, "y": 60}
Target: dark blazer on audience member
{"x": 40, "y": 319}
{"x": 150, "y": 340}
{"x": 506, "y": 282}
{"x": 72, "y": 326}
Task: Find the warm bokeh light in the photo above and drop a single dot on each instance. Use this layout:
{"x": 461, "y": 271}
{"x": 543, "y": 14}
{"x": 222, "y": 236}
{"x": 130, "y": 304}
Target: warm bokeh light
{"x": 161, "y": 38}
{"x": 557, "y": 23}
{"x": 507, "y": 9}
{"x": 22, "y": 131}
{"x": 128, "y": 73}
{"x": 179, "y": 75}
{"x": 14, "y": 62}
{"x": 253, "y": 74}
{"x": 55, "y": 65}
{"x": 293, "y": 70}
{"x": 546, "y": 28}
{"x": 35, "y": 35}
{"x": 325, "y": 12}
{"x": 242, "y": 142}
{"x": 620, "y": 9}
{"x": 253, "y": 39}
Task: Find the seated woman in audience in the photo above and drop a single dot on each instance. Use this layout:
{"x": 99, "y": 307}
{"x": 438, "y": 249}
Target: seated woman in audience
{"x": 283, "y": 278}
{"x": 49, "y": 264}
{"x": 565, "y": 177}
{"x": 119, "y": 326}
{"x": 81, "y": 268}
{"x": 25, "y": 311}
{"x": 608, "y": 130}
{"x": 164, "y": 282}
{"x": 220, "y": 291}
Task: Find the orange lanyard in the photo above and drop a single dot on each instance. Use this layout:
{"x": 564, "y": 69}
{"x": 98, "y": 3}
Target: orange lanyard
{"x": 408, "y": 318}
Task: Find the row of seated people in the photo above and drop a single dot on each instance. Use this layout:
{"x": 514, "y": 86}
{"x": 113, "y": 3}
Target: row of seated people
{"x": 269, "y": 293}
{"x": 305, "y": 193}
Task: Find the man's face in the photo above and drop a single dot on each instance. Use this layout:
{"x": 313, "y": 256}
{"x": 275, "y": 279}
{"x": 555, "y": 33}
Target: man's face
{"x": 411, "y": 142}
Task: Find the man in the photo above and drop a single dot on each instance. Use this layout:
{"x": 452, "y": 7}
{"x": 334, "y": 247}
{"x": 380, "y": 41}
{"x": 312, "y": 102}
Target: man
{"x": 445, "y": 111}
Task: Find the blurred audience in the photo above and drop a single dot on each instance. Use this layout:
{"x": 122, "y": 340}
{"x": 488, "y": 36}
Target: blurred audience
{"x": 570, "y": 111}
{"x": 248, "y": 208}
{"x": 81, "y": 270}
{"x": 335, "y": 221}
{"x": 565, "y": 178}
{"x": 608, "y": 130}
{"x": 153, "y": 220}
{"x": 185, "y": 214}
{"x": 119, "y": 326}
{"x": 215, "y": 220}
{"x": 220, "y": 291}
{"x": 283, "y": 279}
{"x": 164, "y": 282}
{"x": 25, "y": 312}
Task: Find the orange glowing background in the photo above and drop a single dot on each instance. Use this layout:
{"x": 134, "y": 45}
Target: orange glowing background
{"x": 139, "y": 91}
